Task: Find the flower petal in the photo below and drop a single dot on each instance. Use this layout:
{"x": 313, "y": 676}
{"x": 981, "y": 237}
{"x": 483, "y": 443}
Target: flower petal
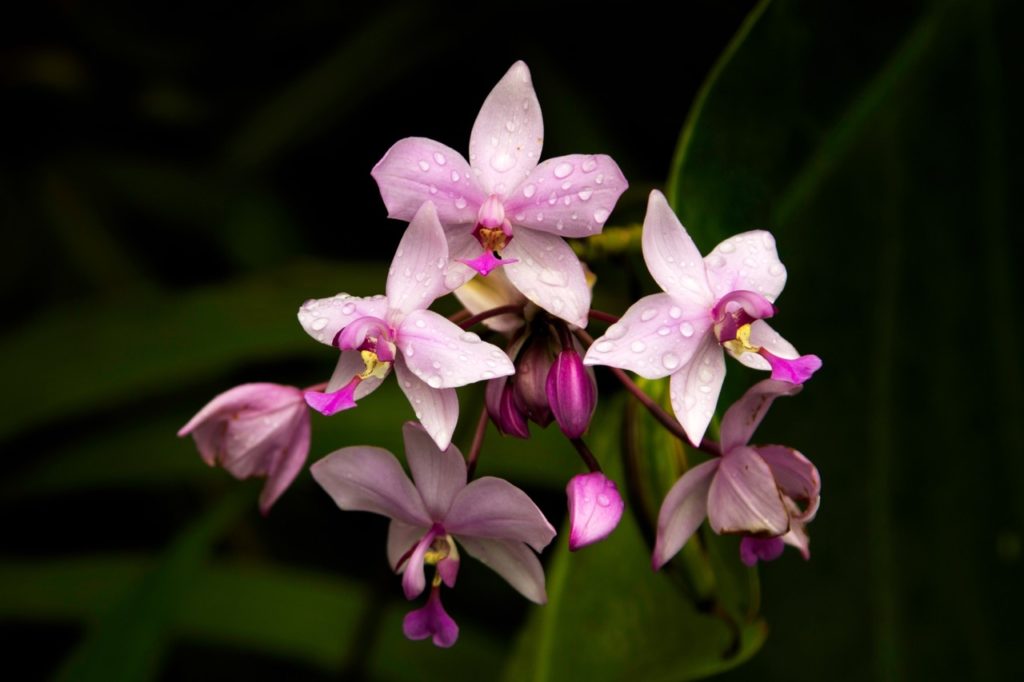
{"x": 595, "y": 509}
{"x": 569, "y": 196}
{"x": 695, "y": 389}
{"x": 682, "y": 511}
{"x": 431, "y": 621}
{"x": 349, "y": 365}
{"x": 513, "y": 561}
{"x": 494, "y": 508}
{"x": 418, "y": 169}
{"x": 438, "y": 474}
{"x": 413, "y": 580}
{"x": 436, "y": 408}
{"x": 440, "y": 353}
{"x": 654, "y": 338}
{"x": 402, "y": 538}
{"x": 754, "y": 549}
{"x": 795, "y": 476}
{"x": 743, "y": 497}
{"x": 746, "y": 261}
{"x": 797, "y": 537}
{"x": 763, "y": 335}
{"x": 671, "y": 256}
{"x": 549, "y": 274}
{"x": 323, "y": 318}
{"x": 288, "y": 463}
{"x": 416, "y": 277}
{"x": 364, "y": 478}
{"x": 742, "y": 418}
{"x": 508, "y": 133}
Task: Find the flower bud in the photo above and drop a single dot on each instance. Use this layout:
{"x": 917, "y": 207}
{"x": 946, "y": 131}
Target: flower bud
{"x": 255, "y": 430}
{"x": 501, "y": 406}
{"x": 595, "y": 508}
{"x": 571, "y": 393}
{"x": 532, "y": 367}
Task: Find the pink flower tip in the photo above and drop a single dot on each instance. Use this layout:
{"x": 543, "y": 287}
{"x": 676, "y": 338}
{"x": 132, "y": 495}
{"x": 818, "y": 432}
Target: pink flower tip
{"x": 431, "y": 621}
{"x": 485, "y": 263}
{"x": 795, "y": 371}
{"x": 764, "y": 549}
{"x": 335, "y": 401}
{"x": 571, "y": 393}
{"x": 595, "y": 509}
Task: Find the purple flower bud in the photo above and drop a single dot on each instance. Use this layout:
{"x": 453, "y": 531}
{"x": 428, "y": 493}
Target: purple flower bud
{"x": 532, "y": 367}
{"x": 431, "y": 621}
{"x": 255, "y": 430}
{"x": 595, "y": 508}
{"x": 571, "y": 393}
{"x": 501, "y": 406}
{"x": 766, "y": 549}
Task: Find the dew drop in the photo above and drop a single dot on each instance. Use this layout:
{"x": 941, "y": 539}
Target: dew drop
{"x": 421, "y": 324}
{"x": 409, "y": 351}
{"x": 434, "y": 381}
{"x": 553, "y": 277}
{"x": 540, "y": 217}
{"x": 705, "y": 375}
{"x": 599, "y": 178}
{"x": 510, "y": 125}
{"x": 638, "y": 346}
{"x": 716, "y": 260}
{"x": 616, "y": 331}
{"x": 585, "y": 194}
{"x": 686, "y": 329}
{"x": 600, "y": 215}
{"x": 604, "y": 346}
{"x": 567, "y": 200}
{"x": 670, "y": 360}
{"x": 664, "y": 331}
{"x": 529, "y": 190}
{"x": 727, "y": 247}
{"x": 648, "y": 315}
{"x": 588, "y": 164}
{"x": 603, "y": 500}
{"x": 348, "y": 308}
{"x": 460, "y": 203}
{"x": 502, "y": 161}
{"x": 436, "y": 364}
{"x": 487, "y": 374}
{"x": 433, "y": 190}
{"x": 562, "y": 170}
{"x": 455, "y": 176}
{"x": 552, "y": 199}
{"x": 424, "y": 166}
{"x": 566, "y": 185}
{"x": 469, "y": 337}
{"x": 319, "y": 324}
{"x": 439, "y": 159}
{"x": 689, "y": 401}
{"x": 674, "y": 312}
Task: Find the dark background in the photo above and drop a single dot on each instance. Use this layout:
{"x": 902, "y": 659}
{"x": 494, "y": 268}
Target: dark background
{"x": 174, "y": 182}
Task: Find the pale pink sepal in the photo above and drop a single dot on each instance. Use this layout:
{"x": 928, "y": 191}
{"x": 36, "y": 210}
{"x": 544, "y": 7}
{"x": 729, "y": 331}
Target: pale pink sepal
{"x": 549, "y": 274}
{"x": 682, "y": 511}
{"x": 443, "y": 355}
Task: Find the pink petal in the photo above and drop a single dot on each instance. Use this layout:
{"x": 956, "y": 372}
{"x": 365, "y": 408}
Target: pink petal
{"x": 513, "y": 561}
{"x": 287, "y": 464}
{"x": 742, "y": 418}
{"x": 763, "y": 335}
{"x": 493, "y": 508}
{"x": 438, "y": 474}
{"x": 416, "y": 277}
{"x": 568, "y": 196}
{"x": 364, "y": 478}
{"x": 795, "y": 476}
{"x": 402, "y": 538}
{"x": 694, "y": 389}
{"x": 743, "y": 497}
{"x": 441, "y": 354}
{"x": 595, "y": 509}
{"x": 754, "y": 549}
{"x": 549, "y": 274}
{"x": 431, "y": 621}
{"x": 436, "y": 408}
{"x": 654, "y": 338}
{"x": 797, "y": 537}
{"x": 682, "y": 511}
{"x": 323, "y": 318}
{"x": 349, "y": 365}
{"x": 462, "y": 246}
{"x": 413, "y": 580}
{"x": 508, "y": 133}
{"x": 746, "y": 261}
{"x": 671, "y": 256}
{"x": 416, "y": 170}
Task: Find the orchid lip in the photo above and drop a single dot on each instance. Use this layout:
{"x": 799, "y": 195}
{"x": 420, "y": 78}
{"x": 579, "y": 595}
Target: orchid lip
{"x": 486, "y": 262}
{"x": 336, "y": 401}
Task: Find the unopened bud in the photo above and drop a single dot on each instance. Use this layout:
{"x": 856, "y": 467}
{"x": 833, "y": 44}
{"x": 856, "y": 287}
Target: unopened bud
{"x": 501, "y": 406}
{"x": 595, "y": 508}
{"x": 571, "y": 393}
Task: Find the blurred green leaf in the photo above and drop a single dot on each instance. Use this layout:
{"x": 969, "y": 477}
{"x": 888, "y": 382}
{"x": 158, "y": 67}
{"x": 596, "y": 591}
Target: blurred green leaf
{"x": 91, "y": 356}
{"x": 610, "y": 617}
{"x": 128, "y": 640}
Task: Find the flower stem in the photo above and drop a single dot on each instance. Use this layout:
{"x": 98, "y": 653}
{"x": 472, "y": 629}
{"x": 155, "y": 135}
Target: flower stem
{"x": 487, "y": 314}
{"x": 602, "y": 316}
{"x": 477, "y": 444}
{"x": 459, "y": 316}
{"x": 663, "y": 417}
{"x": 585, "y": 454}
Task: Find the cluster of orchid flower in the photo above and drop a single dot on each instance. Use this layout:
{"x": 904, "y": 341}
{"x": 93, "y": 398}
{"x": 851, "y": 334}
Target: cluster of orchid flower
{"x": 502, "y": 215}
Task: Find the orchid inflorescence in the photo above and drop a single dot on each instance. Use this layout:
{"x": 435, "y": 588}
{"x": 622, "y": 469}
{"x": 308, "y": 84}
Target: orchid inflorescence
{"x": 490, "y": 230}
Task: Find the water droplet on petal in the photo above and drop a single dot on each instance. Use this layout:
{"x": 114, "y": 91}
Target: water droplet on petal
{"x": 348, "y": 308}
{"x": 599, "y": 178}
{"x": 502, "y": 161}
{"x": 727, "y": 247}
{"x": 409, "y": 351}
{"x": 433, "y": 190}
{"x": 648, "y": 314}
{"x": 588, "y": 164}
{"x": 664, "y": 331}
{"x": 562, "y": 170}
{"x": 529, "y": 190}
{"x": 421, "y": 324}
{"x": 460, "y": 203}
{"x": 319, "y": 324}
{"x": 566, "y": 185}
{"x": 585, "y": 194}
{"x": 670, "y": 360}
{"x": 540, "y": 217}
{"x": 600, "y": 215}
{"x": 455, "y": 176}
{"x": 434, "y": 381}
{"x": 705, "y": 375}
{"x": 638, "y": 346}
{"x": 616, "y": 331}
{"x": 469, "y": 337}
{"x": 424, "y": 166}
{"x": 716, "y": 260}
{"x": 439, "y": 159}
{"x": 603, "y": 346}
{"x": 686, "y": 329}
{"x": 603, "y": 500}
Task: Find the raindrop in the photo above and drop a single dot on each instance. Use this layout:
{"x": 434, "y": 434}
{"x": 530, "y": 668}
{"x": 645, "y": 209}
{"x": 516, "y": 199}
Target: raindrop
{"x": 600, "y": 215}
{"x": 616, "y": 331}
{"x": 553, "y": 198}
{"x": 705, "y": 375}
{"x": 436, "y": 364}
{"x": 716, "y": 260}
{"x": 566, "y": 185}
{"x": 529, "y": 190}
{"x": 424, "y": 166}
{"x": 469, "y": 337}
{"x": 421, "y": 324}
{"x": 603, "y": 346}
{"x": 599, "y": 178}
{"x": 455, "y": 176}
{"x": 588, "y": 164}
{"x": 686, "y": 329}
{"x": 727, "y": 247}
{"x": 670, "y": 360}
{"x": 348, "y": 308}
{"x": 603, "y": 500}
{"x": 664, "y": 331}
{"x": 648, "y": 314}
{"x": 585, "y": 194}
{"x": 434, "y": 381}
{"x": 567, "y": 200}
{"x": 502, "y": 162}
{"x": 674, "y": 312}
{"x": 439, "y": 159}
{"x": 540, "y": 217}
{"x": 638, "y": 346}
{"x": 409, "y": 351}
{"x": 553, "y": 277}
{"x": 487, "y": 374}
{"x": 319, "y": 324}
{"x": 562, "y": 170}
{"x": 433, "y": 190}
{"x": 460, "y": 203}
{"x": 510, "y": 125}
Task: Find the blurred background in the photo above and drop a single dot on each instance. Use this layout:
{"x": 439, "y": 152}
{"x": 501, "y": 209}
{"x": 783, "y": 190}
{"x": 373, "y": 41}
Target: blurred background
{"x": 175, "y": 182}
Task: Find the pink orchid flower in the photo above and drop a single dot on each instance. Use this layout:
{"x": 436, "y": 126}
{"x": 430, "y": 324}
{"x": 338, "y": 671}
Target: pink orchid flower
{"x": 430, "y": 354}
{"x": 766, "y": 492}
{"x": 490, "y": 518}
{"x": 255, "y": 430}
{"x": 501, "y": 207}
{"x": 709, "y": 304}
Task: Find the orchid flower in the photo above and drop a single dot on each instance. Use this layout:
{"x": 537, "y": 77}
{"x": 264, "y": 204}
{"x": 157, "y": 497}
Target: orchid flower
{"x": 503, "y": 209}
{"x": 490, "y": 518}
{"x": 766, "y": 492}
{"x": 430, "y": 354}
{"x": 709, "y": 304}
{"x": 255, "y": 430}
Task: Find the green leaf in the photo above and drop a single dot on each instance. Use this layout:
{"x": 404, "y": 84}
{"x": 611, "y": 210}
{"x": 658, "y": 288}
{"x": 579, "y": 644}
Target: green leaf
{"x": 610, "y": 617}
